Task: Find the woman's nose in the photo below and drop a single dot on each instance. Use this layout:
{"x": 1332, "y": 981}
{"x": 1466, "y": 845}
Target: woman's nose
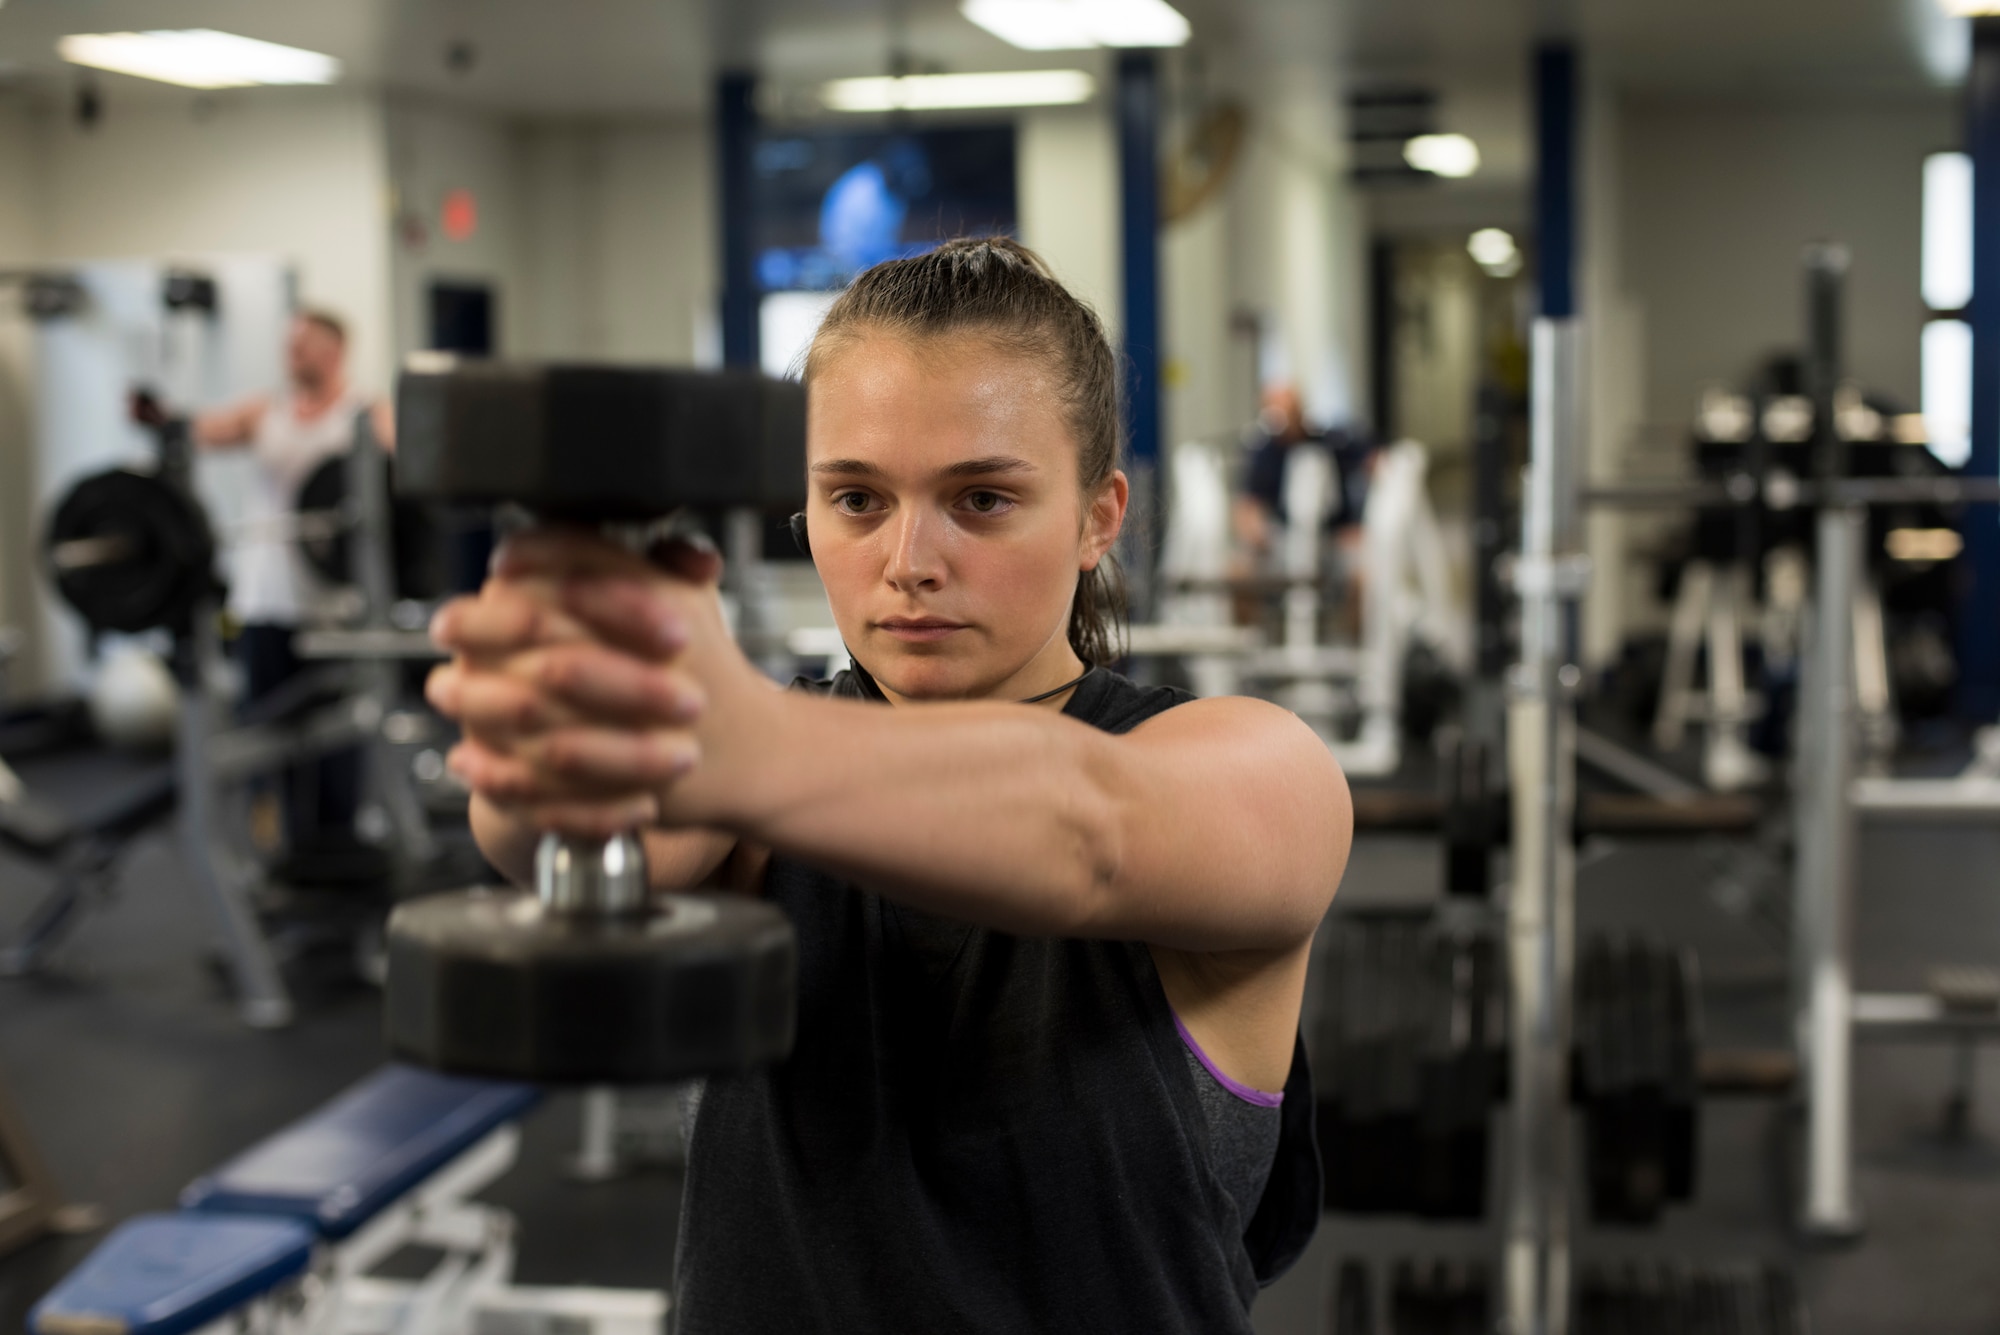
{"x": 916, "y": 558}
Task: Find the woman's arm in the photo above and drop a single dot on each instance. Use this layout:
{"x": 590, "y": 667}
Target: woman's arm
{"x": 1220, "y": 825}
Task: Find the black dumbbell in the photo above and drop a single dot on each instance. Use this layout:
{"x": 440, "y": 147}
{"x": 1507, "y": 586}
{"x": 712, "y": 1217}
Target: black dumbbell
{"x": 589, "y": 978}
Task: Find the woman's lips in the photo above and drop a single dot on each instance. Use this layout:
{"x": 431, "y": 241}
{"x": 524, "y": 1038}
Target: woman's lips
{"x": 919, "y": 630}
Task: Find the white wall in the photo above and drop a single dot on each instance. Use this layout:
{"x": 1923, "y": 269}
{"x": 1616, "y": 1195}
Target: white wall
{"x": 1066, "y": 179}
{"x": 433, "y": 150}
{"x": 18, "y": 246}
{"x": 1298, "y": 238}
{"x": 1695, "y": 214}
{"x": 292, "y": 172}
{"x": 618, "y": 240}
{"x": 1720, "y": 198}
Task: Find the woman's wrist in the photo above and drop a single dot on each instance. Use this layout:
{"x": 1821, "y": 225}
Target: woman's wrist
{"x": 744, "y": 737}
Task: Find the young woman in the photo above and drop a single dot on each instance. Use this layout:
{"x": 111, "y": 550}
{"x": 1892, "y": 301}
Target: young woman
{"x": 1053, "y": 926}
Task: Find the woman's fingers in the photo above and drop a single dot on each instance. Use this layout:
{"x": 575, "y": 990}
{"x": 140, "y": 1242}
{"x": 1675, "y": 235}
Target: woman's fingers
{"x": 500, "y": 619}
{"x": 611, "y": 685}
{"x": 493, "y": 705}
{"x": 638, "y": 615}
{"x": 571, "y": 764}
{"x": 542, "y": 689}
{"x": 690, "y": 557}
{"x": 554, "y": 552}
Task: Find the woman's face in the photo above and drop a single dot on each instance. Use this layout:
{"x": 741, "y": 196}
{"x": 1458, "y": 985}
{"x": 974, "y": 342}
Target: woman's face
{"x": 946, "y": 517}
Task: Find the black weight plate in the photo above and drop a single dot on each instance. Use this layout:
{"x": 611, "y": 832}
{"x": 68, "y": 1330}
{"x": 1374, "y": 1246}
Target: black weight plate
{"x": 323, "y": 498}
{"x": 157, "y": 558}
{"x": 485, "y": 982}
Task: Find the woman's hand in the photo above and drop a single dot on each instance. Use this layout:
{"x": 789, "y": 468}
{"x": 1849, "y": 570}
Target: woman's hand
{"x": 576, "y": 678}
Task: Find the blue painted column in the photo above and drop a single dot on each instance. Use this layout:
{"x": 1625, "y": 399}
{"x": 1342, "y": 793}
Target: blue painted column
{"x": 1979, "y": 612}
{"x": 735, "y": 145}
{"x": 1139, "y": 228}
{"x": 1555, "y": 179}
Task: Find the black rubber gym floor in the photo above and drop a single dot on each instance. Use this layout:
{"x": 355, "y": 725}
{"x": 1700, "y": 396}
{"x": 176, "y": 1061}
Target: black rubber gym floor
{"x": 134, "y": 1075}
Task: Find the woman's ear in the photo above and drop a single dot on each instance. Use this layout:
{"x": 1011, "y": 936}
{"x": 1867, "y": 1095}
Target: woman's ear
{"x": 1104, "y": 520}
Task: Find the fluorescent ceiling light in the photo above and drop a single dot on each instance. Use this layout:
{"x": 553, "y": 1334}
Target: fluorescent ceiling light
{"x": 952, "y": 92}
{"x": 198, "y": 58}
{"x": 1970, "y": 9}
{"x": 1074, "y": 25}
{"x": 1442, "y": 154}
{"x": 1947, "y": 251}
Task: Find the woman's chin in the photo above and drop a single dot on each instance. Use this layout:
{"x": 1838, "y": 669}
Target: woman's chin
{"x": 923, "y": 673}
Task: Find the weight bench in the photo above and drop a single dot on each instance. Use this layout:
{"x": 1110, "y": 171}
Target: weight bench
{"x": 283, "y": 1238}
{"x": 82, "y": 849}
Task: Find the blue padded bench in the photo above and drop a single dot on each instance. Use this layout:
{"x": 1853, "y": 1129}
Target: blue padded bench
{"x": 339, "y": 1167}
{"x": 254, "y": 1223}
{"x": 164, "y": 1274}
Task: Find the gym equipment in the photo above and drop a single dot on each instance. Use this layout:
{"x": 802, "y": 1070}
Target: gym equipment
{"x": 1836, "y": 683}
{"x": 1408, "y": 1051}
{"x": 1455, "y": 1297}
{"x": 589, "y": 978}
{"x": 131, "y": 551}
{"x": 1637, "y": 1078}
{"x": 83, "y": 851}
{"x": 285, "y": 1236}
{"x": 1409, "y": 1043}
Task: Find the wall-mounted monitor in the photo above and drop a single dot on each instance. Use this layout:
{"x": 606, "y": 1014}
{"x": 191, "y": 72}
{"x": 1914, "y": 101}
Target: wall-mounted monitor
{"x": 830, "y": 203}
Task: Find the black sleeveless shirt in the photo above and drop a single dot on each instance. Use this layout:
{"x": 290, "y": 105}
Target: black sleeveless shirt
{"x": 976, "y": 1132}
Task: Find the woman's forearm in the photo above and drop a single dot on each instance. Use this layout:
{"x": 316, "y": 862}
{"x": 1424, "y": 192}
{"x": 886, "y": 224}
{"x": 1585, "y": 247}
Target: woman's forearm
{"x": 987, "y": 812}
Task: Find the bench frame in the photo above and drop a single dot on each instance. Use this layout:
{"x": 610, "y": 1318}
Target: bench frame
{"x": 28, "y": 1208}
{"x": 339, "y": 1296}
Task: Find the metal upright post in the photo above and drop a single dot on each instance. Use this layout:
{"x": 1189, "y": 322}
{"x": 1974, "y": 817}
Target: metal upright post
{"x": 1823, "y": 889}
{"x": 373, "y": 547}
{"x": 261, "y": 997}
{"x": 1541, "y": 737}
{"x": 1138, "y": 108}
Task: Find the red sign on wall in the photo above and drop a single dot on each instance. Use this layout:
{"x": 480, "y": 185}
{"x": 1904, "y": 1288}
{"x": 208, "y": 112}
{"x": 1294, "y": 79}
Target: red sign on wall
{"x": 459, "y": 218}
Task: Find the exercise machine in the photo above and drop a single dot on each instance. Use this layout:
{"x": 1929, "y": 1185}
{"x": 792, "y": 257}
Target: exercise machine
{"x": 131, "y": 551}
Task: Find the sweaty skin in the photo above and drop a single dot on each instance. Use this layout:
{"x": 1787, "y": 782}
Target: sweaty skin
{"x": 949, "y": 527}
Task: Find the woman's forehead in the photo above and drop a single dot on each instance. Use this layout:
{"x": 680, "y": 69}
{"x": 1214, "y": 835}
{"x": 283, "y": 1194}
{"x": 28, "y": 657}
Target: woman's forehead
{"x": 896, "y": 405}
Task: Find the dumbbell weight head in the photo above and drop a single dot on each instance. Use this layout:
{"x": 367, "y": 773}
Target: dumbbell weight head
{"x": 599, "y": 444}
{"x": 590, "y": 980}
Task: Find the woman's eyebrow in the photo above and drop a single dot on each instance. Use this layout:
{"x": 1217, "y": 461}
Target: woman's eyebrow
{"x": 993, "y": 463}
{"x": 848, "y": 468}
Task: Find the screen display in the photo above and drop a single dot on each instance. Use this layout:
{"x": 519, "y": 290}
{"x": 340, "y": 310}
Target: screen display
{"x": 828, "y": 204}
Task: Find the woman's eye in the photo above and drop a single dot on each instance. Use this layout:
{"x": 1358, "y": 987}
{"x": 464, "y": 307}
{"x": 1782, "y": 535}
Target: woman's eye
{"x": 851, "y": 502}
{"x": 985, "y": 502}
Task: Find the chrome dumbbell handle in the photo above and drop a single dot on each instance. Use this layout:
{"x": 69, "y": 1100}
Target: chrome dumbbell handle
{"x": 592, "y": 877}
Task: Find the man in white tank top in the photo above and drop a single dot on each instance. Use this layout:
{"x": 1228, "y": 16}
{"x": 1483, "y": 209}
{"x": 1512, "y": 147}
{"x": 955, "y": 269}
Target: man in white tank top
{"x": 272, "y": 590}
